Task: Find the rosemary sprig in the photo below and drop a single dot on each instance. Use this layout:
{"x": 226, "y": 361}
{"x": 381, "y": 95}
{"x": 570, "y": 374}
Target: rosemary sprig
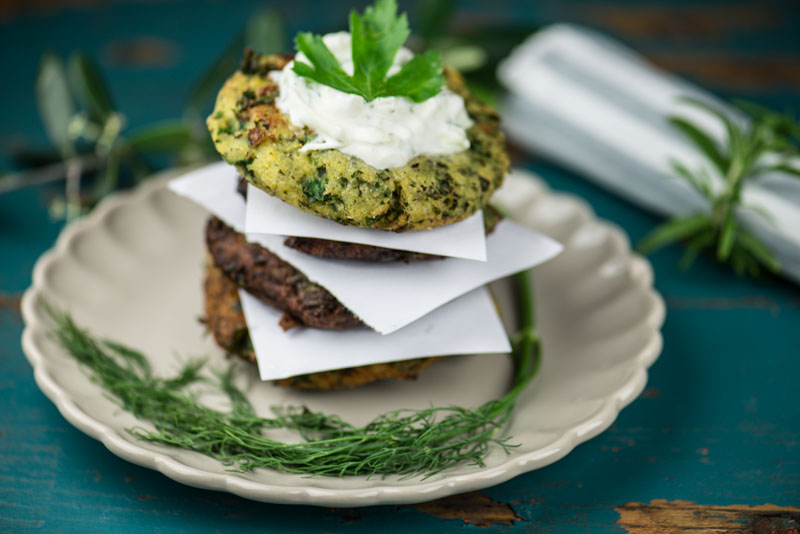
{"x": 407, "y": 442}
{"x": 768, "y": 143}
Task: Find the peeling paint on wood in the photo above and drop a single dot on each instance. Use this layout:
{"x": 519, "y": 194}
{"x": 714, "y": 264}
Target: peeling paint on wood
{"x": 145, "y": 51}
{"x": 734, "y": 72}
{"x": 683, "y": 22}
{"x": 674, "y": 517}
{"x": 12, "y": 8}
{"x": 474, "y": 508}
{"x": 347, "y": 515}
{"x": 10, "y": 301}
{"x": 651, "y": 393}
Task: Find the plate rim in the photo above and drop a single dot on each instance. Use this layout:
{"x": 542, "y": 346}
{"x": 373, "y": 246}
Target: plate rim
{"x": 380, "y": 494}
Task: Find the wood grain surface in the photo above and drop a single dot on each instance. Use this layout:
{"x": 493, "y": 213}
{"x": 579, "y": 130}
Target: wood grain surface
{"x": 675, "y": 517}
{"x": 712, "y": 445}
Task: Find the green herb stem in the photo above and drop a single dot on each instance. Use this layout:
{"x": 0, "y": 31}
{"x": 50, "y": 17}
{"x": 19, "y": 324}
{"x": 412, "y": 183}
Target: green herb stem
{"x": 737, "y": 161}
{"x": 405, "y": 442}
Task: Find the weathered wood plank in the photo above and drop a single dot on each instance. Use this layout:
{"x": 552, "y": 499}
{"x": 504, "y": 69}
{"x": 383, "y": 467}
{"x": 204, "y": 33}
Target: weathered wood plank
{"x": 681, "y": 517}
{"x": 474, "y": 508}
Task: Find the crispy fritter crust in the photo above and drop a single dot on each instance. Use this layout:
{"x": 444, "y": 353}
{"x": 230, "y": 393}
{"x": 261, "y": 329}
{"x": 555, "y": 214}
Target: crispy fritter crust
{"x": 327, "y": 248}
{"x": 223, "y": 313}
{"x": 250, "y": 132}
{"x": 359, "y": 376}
{"x": 272, "y": 280}
{"x": 225, "y": 321}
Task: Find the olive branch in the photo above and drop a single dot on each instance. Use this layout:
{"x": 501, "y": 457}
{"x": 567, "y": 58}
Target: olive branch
{"x": 93, "y": 152}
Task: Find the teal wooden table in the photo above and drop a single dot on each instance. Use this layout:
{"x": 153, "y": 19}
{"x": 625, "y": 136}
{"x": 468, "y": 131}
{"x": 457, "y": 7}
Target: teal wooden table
{"x": 713, "y": 443}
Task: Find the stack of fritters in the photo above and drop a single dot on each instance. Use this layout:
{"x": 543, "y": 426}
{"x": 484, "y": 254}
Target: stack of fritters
{"x": 252, "y": 134}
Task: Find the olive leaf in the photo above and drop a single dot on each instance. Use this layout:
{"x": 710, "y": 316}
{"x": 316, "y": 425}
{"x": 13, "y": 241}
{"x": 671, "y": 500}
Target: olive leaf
{"x": 110, "y": 179}
{"x": 55, "y": 103}
{"x": 433, "y": 16}
{"x": 264, "y": 33}
{"x": 89, "y": 87}
{"x": 167, "y": 136}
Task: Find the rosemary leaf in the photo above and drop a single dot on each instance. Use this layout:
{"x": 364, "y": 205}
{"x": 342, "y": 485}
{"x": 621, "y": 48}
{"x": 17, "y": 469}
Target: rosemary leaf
{"x": 700, "y": 181}
{"x": 674, "y": 230}
{"x": 731, "y": 128}
{"x": 702, "y": 141}
{"x": 770, "y": 136}
{"x": 695, "y": 245}
{"x": 166, "y": 136}
{"x": 753, "y": 246}
{"x": 784, "y": 168}
{"x": 726, "y": 238}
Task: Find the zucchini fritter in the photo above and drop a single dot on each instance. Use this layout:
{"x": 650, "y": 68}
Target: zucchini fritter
{"x": 225, "y": 321}
{"x": 251, "y": 133}
{"x": 272, "y": 280}
{"x": 327, "y": 248}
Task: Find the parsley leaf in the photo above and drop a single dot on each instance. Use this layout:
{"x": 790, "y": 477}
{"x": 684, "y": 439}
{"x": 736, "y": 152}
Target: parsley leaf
{"x": 376, "y": 38}
{"x": 314, "y": 189}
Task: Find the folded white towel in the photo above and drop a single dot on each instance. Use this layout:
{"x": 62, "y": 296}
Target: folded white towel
{"x": 597, "y": 107}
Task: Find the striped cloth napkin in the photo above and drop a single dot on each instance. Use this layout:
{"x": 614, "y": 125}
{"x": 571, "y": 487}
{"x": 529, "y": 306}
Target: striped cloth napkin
{"x": 597, "y": 107}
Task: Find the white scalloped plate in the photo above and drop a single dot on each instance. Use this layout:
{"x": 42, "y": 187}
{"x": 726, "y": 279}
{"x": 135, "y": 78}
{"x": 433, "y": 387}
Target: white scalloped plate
{"x": 131, "y": 271}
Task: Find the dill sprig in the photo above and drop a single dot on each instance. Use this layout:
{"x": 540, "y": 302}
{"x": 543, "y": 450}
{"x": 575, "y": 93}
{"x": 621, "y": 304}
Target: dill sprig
{"x": 406, "y": 442}
{"x": 768, "y": 143}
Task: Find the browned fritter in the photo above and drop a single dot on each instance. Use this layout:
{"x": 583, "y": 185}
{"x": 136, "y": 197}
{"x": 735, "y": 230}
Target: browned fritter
{"x": 267, "y": 277}
{"x": 327, "y": 248}
{"x": 358, "y": 376}
{"x": 251, "y": 133}
{"x": 225, "y": 321}
{"x": 223, "y": 313}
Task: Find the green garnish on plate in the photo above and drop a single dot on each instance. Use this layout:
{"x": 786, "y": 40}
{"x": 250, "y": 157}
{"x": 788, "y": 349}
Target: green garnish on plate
{"x": 402, "y": 442}
{"x": 376, "y": 35}
{"x": 766, "y": 142}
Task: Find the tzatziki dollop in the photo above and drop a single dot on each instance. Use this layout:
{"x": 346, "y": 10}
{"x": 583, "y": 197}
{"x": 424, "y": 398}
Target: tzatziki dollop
{"x": 386, "y": 132}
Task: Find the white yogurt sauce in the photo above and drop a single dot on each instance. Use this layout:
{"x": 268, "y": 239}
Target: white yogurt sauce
{"x": 386, "y": 132}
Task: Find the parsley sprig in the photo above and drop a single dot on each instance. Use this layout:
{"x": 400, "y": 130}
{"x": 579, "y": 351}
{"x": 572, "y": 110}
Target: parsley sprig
{"x": 376, "y": 36}
{"x": 769, "y": 143}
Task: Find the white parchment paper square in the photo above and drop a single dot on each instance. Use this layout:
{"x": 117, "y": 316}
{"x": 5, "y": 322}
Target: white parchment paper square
{"x": 468, "y": 325}
{"x": 269, "y": 215}
{"x": 388, "y": 296}
{"x": 385, "y": 296}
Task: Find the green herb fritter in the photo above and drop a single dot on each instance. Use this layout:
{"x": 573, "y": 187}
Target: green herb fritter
{"x": 225, "y": 321}
{"x": 251, "y": 133}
